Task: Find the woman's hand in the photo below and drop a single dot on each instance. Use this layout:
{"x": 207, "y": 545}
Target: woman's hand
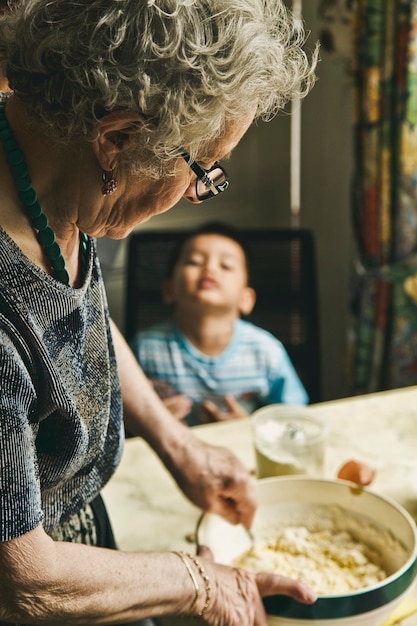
{"x": 236, "y": 595}
{"x": 214, "y": 479}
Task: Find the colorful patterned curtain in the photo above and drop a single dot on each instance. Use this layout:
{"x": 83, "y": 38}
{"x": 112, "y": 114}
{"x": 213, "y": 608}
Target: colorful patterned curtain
{"x": 384, "y": 294}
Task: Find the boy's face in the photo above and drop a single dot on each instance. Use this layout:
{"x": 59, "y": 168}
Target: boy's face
{"x": 211, "y": 273}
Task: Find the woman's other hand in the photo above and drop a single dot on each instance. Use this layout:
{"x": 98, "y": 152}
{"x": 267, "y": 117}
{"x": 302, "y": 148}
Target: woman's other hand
{"x": 236, "y": 595}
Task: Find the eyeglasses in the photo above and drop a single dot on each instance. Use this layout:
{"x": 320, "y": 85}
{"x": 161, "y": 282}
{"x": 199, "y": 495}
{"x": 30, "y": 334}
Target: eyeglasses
{"x": 210, "y": 182}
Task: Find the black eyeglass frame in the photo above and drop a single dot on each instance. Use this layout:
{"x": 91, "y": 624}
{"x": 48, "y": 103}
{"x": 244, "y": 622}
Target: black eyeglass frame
{"x": 203, "y": 176}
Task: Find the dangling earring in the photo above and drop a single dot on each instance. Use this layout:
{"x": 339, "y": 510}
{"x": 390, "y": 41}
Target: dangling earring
{"x": 109, "y": 183}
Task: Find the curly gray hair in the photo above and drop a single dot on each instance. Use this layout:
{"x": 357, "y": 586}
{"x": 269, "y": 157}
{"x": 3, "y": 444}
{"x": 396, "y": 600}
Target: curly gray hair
{"x": 190, "y": 67}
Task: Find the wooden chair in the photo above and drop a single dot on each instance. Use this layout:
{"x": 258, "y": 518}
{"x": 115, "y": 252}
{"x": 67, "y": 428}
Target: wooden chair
{"x": 283, "y": 273}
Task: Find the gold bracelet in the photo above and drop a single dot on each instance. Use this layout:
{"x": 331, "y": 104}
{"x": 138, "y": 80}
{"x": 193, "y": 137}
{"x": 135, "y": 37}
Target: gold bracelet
{"x": 207, "y": 585}
{"x": 182, "y": 556}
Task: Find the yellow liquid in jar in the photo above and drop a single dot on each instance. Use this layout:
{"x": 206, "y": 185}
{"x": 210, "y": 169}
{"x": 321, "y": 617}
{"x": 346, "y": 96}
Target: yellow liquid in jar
{"x": 268, "y": 466}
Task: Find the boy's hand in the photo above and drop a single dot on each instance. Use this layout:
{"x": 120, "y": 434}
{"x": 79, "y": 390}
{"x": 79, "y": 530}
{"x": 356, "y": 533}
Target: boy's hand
{"x": 178, "y": 405}
{"x": 210, "y": 412}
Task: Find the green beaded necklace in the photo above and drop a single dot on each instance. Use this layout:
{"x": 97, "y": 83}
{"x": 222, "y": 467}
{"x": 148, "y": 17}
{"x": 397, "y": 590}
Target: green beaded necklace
{"x": 45, "y": 235}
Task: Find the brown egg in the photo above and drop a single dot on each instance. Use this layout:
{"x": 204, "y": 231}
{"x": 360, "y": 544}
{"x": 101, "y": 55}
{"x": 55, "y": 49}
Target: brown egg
{"x": 357, "y": 472}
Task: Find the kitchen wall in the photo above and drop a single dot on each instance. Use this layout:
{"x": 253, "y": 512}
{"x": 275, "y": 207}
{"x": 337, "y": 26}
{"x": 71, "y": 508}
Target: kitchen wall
{"x": 259, "y": 196}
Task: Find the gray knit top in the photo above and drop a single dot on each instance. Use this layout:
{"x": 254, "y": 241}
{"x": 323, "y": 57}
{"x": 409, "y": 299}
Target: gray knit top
{"x": 61, "y": 433}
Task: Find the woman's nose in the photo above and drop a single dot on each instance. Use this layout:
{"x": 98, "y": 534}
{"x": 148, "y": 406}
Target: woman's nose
{"x": 190, "y": 192}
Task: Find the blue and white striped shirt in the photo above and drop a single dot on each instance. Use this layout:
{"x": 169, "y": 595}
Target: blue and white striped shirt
{"x": 254, "y": 368}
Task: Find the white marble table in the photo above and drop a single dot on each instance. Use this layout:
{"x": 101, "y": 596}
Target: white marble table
{"x": 149, "y": 512}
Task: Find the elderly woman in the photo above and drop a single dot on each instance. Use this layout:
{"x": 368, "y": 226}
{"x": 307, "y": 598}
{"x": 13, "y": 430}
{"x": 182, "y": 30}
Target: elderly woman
{"x": 119, "y": 109}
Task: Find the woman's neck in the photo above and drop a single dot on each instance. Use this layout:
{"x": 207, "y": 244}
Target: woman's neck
{"x": 47, "y": 168}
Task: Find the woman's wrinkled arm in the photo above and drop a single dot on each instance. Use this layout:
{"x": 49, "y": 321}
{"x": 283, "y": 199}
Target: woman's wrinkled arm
{"x": 56, "y": 583}
{"x": 212, "y": 477}
{"x": 52, "y": 583}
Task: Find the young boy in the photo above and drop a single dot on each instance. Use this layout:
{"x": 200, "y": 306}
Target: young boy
{"x": 226, "y": 367}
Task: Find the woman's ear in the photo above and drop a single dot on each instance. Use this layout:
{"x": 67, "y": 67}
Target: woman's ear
{"x": 166, "y": 291}
{"x": 114, "y": 134}
{"x": 247, "y": 300}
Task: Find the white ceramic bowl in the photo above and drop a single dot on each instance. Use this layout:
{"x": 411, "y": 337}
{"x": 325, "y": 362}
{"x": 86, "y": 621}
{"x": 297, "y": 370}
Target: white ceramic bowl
{"x": 295, "y": 497}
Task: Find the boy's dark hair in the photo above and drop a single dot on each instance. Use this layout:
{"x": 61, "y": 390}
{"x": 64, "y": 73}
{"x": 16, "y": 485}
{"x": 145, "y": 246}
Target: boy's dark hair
{"x": 210, "y": 228}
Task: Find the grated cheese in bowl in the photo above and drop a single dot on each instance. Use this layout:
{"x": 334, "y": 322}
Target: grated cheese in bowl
{"x": 331, "y": 562}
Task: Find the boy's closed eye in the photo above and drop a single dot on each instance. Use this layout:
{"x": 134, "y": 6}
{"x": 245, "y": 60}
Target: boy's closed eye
{"x": 228, "y": 266}
{"x": 229, "y": 263}
{"x": 194, "y": 259}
